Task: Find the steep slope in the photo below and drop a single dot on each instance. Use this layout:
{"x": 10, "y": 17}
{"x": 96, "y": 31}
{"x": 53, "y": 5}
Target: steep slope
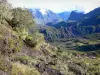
{"x": 92, "y": 21}
{"x": 94, "y": 12}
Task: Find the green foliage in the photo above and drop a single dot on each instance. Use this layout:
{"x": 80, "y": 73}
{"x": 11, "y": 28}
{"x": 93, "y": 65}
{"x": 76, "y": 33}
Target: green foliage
{"x": 22, "y": 18}
{"x": 22, "y": 32}
{"x": 34, "y": 39}
{"x": 30, "y": 41}
{"x": 26, "y": 60}
{"x": 4, "y": 65}
{"x": 76, "y": 69}
{"x": 92, "y": 66}
{"x": 14, "y": 27}
{"x": 22, "y": 21}
{"x": 20, "y": 69}
{"x": 9, "y": 40}
{"x": 15, "y": 44}
{"x": 5, "y": 12}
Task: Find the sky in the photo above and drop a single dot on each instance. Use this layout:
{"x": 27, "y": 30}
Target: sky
{"x": 58, "y": 5}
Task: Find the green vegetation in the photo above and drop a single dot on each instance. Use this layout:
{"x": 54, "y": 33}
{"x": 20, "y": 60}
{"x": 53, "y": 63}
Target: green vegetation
{"x": 4, "y": 65}
{"x": 24, "y": 51}
{"x": 34, "y": 39}
{"x": 20, "y": 69}
{"x": 22, "y": 18}
{"x": 5, "y": 13}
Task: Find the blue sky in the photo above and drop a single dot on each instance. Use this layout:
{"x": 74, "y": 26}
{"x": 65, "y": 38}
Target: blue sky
{"x": 58, "y": 5}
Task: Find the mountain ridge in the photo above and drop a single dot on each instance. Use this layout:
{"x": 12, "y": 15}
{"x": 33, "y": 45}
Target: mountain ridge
{"x": 44, "y": 16}
{"x": 79, "y": 26}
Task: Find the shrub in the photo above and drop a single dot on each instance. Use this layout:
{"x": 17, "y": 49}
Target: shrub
{"x": 20, "y": 69}
{"x": 4, "y": 65}
{"x": 5, "y": 12}
{"x": 22, "y": 18}
{"x": 30, "y": 41}
{"x": 34, "y": 39}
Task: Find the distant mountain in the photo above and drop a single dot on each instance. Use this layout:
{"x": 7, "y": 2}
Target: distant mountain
{"x": 79, "y": 24}
{"x": 75, "y": 15}
{"x": 91, "y": 21}
{"x": 64, "y": 15}
{"x": 93, "y": 13}
{"x": 91, "y": 18}
{"x": 44, "y": 16}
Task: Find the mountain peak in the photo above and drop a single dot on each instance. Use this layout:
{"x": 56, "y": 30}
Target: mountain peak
{"x": 43, "y": 11}
{"x": 75, "y": 15}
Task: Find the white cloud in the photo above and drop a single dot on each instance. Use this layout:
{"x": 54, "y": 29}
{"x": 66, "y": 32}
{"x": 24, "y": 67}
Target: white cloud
{"x": 58, "y": 5}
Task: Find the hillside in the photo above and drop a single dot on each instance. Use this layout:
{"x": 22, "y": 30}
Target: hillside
{"x": 25, "y": 51}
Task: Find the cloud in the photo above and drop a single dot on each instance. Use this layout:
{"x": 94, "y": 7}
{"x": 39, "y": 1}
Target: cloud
{"x": 58, "y": 5}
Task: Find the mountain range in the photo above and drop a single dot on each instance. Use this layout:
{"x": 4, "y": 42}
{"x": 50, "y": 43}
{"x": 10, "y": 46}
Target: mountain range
{"x": 45, "y": 16}
{"x": 78, "y": 24}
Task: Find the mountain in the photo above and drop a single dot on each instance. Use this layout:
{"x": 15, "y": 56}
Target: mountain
{"x": 64, "y": 15}
{"x": 44, "y": 16}
{"x": 79, "y": 25}
{"x": 75, "y": 15}
{"x": 93, "y": 13}
{"x": 91, "y": 18}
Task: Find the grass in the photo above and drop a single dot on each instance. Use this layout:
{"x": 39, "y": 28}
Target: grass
{"x": 4, "y": 65}
{"x": 92, "y": 65}
{"x": 27, "y": 60}
{"x": 21, "y": 69}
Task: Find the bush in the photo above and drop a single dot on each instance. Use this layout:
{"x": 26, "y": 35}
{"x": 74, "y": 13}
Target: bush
{"x": 34, "y": 39}
{"x": 22, "y": 18}
{"x": 20, "y": 69}
{"x": 4, "y": 65}
{"x": 5, "y": 12}
{"x": 30, "y": 41}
